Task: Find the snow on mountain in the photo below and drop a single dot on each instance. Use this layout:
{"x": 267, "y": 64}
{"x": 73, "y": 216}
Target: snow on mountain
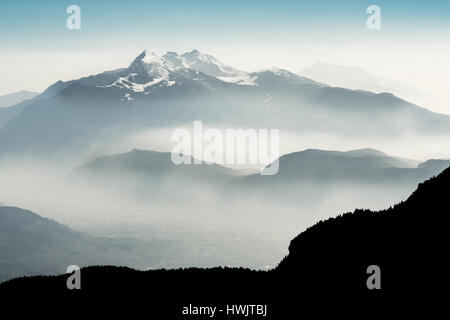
{"x": 146, "y": 71}
{"x": 149, "y": 71}
{"x": 241, "y": 79}
{"x": 125, "y": 82}
{"x": 152, "y": 65}
{"x": 202, "y": 62}
{"x": 173, "y": 89}
{"x": 175, "y": 59}
{"x": 276, "y": 74}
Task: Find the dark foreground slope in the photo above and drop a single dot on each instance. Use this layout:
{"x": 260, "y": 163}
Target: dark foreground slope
{"x": 326, "y": 264}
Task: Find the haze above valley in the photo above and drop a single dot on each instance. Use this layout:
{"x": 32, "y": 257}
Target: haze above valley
{"x": 92, "y": 153}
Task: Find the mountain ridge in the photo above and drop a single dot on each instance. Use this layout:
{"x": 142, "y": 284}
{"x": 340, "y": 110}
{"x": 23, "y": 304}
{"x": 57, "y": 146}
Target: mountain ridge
{"x": 153, "y": 92}
{"x": 14, "y": 98}
{"x": 329, "y": 262}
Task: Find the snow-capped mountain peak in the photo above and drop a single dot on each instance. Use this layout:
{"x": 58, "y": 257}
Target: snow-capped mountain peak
{"x": 201, "y": 62}
{"x": 195, "y": 56}
{"x": 149, "y": 57}
{"x": 148, "y": 72}
{"x": 175, "y": 59}
{"x": 152, "y": 65}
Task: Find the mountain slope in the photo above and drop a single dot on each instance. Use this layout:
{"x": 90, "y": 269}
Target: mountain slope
{"x": 15, "y": 98}
{"x": 326, "y": 265}
{"x": 7, "y": 114}
{"x": 355, "y": 78}
{"x": 411, "y": 233}
{"x": 31, "y": 244}
{"x": 174, "y": 89}
{"x": 152, "y": 168}
{"x": 358, "y": 166}
{"x": 310, "y": 185}
{"x": 312, "y": 165}
{"x": 204, "y": 63}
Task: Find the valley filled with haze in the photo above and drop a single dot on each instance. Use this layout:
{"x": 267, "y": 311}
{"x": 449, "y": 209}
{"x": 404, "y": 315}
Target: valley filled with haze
{"x": 94, "y": 155}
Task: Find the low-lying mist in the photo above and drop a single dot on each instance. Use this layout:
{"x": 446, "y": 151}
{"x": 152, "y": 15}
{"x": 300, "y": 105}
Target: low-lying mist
{"x": 222, "y": 221}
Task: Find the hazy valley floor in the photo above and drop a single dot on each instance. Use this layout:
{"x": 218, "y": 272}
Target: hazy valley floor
{"x": 327, "y": 264}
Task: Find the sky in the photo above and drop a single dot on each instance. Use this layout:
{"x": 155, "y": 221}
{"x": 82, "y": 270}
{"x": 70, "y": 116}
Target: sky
{"x": 412, "y": 46}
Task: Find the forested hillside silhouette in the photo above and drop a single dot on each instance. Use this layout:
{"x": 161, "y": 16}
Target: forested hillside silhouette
{"x": 328, "y": 262}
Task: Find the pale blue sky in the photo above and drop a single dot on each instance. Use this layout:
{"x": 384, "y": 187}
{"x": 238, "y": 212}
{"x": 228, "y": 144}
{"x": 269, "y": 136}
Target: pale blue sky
{"x": 31, "y": 24}
{"x": 37, "y": 49}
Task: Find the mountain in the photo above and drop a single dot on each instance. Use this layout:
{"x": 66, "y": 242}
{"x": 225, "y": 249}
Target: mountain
{"x": 149, "y": 72}
{"x": 276, "y": 77}
{"x": 153, "y": 164}
{"x": 144, "y": 176}
{"x": 365, "y": 166}
{"x": 312, "y": 167}
{"x": 202, "y": 62}
{"x": 409, "y": 233}
{"x": 435, "y": 164}
{"x": 9, "y": 113}
{"x": 312, "y": 163}
{"x": 143, "y": 162}
{"x": 15, "y": 98}
{"x": 356, "y": 78}
{"x": 308, "y": 181}
{"x": 171, "y": 90}
{"x": 31, "y": 244}
{"x": 320, "y": 182}
{"x": 328, "y": 265}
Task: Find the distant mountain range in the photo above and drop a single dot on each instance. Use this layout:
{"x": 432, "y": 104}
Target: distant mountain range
{"x": 356, "y": 78}
{"x": 152, "y": 177}
{"x": 147, "y": 163}
{"x": 364, "y": 166}
{"x": 31, "y": 244}
{"x": 169, "y": 90}
{"x": 326, "y": 264}
{"x": 15, "y": 98}
{"x": 77, "y": 118}
{"x": 313, "y": 182}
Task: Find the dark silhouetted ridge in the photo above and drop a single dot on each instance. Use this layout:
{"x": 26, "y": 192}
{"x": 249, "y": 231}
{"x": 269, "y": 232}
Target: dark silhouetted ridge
{"x": 327, "y": 263}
